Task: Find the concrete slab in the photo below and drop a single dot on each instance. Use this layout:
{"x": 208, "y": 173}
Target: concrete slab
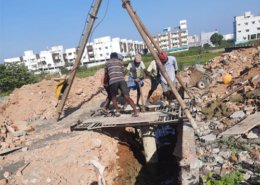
{"x": 243, "y": 126}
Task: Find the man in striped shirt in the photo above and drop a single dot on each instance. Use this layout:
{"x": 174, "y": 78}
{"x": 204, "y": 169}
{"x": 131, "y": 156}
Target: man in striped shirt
{"x": 114, "y": 71}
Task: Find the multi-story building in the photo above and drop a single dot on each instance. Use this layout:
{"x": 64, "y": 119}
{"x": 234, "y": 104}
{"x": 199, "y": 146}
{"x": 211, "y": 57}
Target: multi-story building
{"x": 95, "y": 53}
{"x": 98, "y": 52}
{"x": 171, "y": 40}
{"x": 246, "y": 28}
{"x": 193, "y": 40}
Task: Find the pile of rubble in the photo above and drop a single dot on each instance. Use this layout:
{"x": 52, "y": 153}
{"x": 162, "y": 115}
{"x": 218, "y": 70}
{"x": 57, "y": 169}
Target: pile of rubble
{"x": 231, "y": 111}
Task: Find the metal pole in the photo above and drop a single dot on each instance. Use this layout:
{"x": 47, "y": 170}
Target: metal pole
{"x": 80, "y": 52}
{"x": 127, "y": 6}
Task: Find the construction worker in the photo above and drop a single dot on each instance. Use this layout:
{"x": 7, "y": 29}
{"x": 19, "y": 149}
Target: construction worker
{"x": 136, "y": 69}
{"x": 171, "y": 67}
{"x": 153, "y": 73}
{"x": 104, "y": 83}
{"x": 114, "y": 70}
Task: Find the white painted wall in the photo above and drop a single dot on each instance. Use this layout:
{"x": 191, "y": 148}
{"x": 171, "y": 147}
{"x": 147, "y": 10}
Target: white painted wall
{"x": 246, "y": 27}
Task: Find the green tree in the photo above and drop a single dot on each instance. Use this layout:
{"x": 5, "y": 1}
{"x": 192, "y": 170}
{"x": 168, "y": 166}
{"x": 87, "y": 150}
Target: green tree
{"x": 206, "y": 46}
{"x": 216, "y": 39}
{"x": 14, "y": 76}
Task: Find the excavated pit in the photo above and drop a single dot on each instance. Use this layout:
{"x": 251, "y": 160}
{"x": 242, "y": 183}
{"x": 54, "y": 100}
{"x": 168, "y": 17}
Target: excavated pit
{"x": 131, "y": 162}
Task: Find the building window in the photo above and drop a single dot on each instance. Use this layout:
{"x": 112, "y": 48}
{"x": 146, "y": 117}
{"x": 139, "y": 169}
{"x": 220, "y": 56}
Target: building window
{"x": 258, "y": 28}
{"x": 247, "y": 30}
{"x": 258, "y": 35}
{"x": 101, "y": 55}
{"x": 239, "y": 31}
{"x": 246, "y": 23}
{"x": 253, "y": 36}
{"x": 253, "y": 22}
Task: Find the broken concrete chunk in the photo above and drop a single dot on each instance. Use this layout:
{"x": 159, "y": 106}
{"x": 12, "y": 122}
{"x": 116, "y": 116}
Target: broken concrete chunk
{"x": 238, "y": 115}
{"x": 225, "y": 154}
{"x": 209, "y": 138}
{"x": 251, "y": 135}
{"x": 3, "y": 182}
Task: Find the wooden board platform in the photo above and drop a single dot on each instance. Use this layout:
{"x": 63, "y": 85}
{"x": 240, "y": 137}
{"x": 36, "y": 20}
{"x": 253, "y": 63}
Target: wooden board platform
{"x": 244, "y": 126}
{"x": 124, "y": 120}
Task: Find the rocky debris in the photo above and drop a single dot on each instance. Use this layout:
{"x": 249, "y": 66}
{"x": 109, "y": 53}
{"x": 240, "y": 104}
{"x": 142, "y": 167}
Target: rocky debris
{"x": 222, "y": 106}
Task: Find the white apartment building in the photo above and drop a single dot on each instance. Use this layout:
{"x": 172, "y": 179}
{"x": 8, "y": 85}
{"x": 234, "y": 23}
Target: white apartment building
{"x": 193, "y": 41}
{"x": 30, "y": 60}
{"x": 172, "y": 41}
{"x": 96, "y": 53}
{"x": 46, "y": 61}
{"x": 246, "y": 28}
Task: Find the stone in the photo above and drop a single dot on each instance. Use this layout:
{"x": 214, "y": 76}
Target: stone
{"x": 199, "y": 152}
{"x": 215, "y": 150}
{"x": 219, "y": 159}
{"x": 6, "y": 174}
{"x": 24, "y": 149}
{"x": 225, "y": 154}
{"x": 209, "y": 138}
{"x": 196, "y": 164}
{"x": 238, "y": 115}
{"x": 243, "y": 156}
{"x": 251, "y": 135}
{"x": 247, "y": 175}
{"x": 95, "y": 143}
{"x": 249, "y": 110}
{"x": 217, "y": 170}
{"x": 48, "y": 180}
{"x": 3, "y": 181}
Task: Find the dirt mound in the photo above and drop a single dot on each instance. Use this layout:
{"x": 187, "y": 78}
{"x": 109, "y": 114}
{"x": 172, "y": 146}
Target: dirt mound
{"x": 38, "y": 101}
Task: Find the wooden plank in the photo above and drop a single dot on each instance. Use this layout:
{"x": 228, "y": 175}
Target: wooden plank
{"x": 243, "y": 126}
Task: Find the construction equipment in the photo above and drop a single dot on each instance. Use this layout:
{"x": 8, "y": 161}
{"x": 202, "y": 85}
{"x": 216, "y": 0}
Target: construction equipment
{"x": 199, "y": 77}
{"x": 60, "y": 87}
{"x": 151, "y": 44}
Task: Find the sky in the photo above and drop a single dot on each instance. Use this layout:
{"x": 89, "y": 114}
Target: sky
{"x": 40, "y": 24}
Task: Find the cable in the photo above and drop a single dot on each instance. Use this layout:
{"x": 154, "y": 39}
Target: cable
{"x": 98, "y": 25}
{"x": 87, "y": 17}
{"x": 100, "y": 20}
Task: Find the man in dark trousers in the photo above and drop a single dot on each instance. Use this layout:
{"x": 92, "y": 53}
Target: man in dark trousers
{"x": 114, "y": 71}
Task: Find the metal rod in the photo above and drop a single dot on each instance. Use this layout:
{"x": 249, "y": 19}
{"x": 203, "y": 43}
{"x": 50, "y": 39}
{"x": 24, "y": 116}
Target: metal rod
{"x": 131, "y": 12}
{"x": 80, "y": 52}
